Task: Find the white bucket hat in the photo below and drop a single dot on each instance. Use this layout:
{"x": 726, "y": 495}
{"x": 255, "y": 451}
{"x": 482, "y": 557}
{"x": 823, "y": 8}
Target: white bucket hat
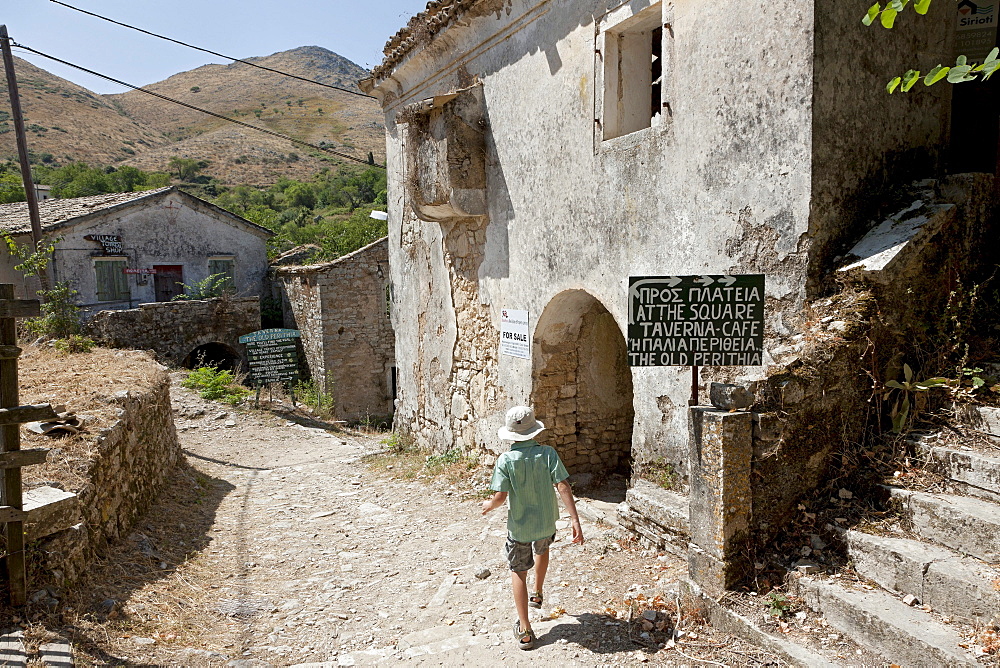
{"x": 520, "y": 425}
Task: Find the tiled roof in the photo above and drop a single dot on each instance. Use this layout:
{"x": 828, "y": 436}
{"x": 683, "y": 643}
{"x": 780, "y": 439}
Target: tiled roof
{"x": 14, "y": 217}
{"x": 421, "y": 29}
{"x": 285, "y": 270}
{"x": 57, "y": 212}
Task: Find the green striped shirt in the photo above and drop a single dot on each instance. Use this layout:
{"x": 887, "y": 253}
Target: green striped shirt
{"x": 527, "y": 473}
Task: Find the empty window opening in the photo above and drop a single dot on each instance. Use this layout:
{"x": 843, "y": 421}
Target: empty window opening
{"x": 633, "y": 73}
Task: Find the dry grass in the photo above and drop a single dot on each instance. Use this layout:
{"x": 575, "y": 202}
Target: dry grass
{"x": 404, "y": 462}
{"x": 84, "y": 383}
{"x": 71, "y": 122}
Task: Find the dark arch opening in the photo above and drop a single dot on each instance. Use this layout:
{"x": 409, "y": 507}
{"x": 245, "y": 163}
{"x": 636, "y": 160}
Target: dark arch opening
{"x": 213, "y": 354}
{"x": 582, "y": 385}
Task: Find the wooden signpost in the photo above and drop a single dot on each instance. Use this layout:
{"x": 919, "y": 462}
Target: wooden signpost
{"x": 273, "y": 356}
{"x": 696, "y": 321}
{"x": 12, "y": 458}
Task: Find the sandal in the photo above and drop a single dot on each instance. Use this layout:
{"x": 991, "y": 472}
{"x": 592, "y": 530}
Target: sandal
{"x": 525, "y": 639}
{"x": 535, "y": 600}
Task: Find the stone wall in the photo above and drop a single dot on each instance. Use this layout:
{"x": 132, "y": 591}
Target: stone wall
{"x": 341, "y": 308}
{"x": 176, "y": 330}
{"x": 133, "y": 460}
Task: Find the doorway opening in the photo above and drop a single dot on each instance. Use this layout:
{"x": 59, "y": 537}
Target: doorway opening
{"x": 213, "y": 354}
{"x": 582, "y": 386}
{"x": 168, "y": 281}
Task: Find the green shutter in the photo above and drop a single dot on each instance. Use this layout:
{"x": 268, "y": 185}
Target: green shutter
{"x": 112, "y": 283}
{"x": 224, "y": 266}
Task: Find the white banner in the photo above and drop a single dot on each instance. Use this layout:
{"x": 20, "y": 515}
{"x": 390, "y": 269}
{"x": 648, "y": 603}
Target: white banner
{"x": 514, "y": 334}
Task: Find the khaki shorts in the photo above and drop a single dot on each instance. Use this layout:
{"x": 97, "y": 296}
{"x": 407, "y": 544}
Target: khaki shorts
{"x": 519, "y": 555}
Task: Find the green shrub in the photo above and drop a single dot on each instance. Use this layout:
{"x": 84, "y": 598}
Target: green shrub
{"x": 311, "y": 394}
{"x": 215, "y": 285}
{"x": 216, "y": 384}
{"x": 60, "y": 317}
{"x": 74, "y": 344}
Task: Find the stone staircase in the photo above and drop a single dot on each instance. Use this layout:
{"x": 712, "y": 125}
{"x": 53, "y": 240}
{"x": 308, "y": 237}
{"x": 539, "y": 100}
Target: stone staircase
{"x": 926, "y": 588}
{"x": 921, "y": 590}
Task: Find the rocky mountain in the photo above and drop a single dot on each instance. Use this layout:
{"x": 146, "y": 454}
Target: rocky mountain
{"x": 141, "y": 130}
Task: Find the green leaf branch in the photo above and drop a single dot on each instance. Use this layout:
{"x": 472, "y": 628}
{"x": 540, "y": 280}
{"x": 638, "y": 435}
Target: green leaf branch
{"x": 961, "y": 72}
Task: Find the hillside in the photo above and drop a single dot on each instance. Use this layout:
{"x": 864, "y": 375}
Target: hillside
{"x": 72, "y": 123}
{"x": 299, "y": 109}
{"x": 69, "y": 122}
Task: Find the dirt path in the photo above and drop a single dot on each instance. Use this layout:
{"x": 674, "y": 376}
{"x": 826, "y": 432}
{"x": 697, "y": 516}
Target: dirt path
{"x": 278, "y": 546}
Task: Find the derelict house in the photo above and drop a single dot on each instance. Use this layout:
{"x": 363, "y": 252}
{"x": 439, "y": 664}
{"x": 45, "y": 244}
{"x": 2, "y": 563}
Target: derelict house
{"x": 542, "y": 152}
{"x": 119, "y": 250}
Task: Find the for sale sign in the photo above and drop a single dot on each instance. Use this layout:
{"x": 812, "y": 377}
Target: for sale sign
{"x": 514, "y": 333}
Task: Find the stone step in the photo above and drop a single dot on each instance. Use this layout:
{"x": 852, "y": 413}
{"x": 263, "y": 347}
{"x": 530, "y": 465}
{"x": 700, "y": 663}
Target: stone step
{"x": 49, "y": 510}
{"x": 950, "y": 584}
{"x": 732, "y": 622}
{"x": 879, "y": 621}
{"x": 979, "y": 472}
{"x": 965, "y": 524}
{"x": 58, "y": 654}
{"x": 12, "y": 649}
{"x": 657, "y": 516}
{"x": 985, "y": 419}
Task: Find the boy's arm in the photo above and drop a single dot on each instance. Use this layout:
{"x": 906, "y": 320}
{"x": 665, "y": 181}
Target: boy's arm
{"x": 566, "y": 493}
{"x": 494, "y": 502}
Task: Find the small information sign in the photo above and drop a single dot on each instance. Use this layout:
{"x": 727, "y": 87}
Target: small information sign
{"x": 696, "y": 320}
{"x": 273, "y": 355}
{"x": 514, "y": 334}
{"x": 975, "y": 29}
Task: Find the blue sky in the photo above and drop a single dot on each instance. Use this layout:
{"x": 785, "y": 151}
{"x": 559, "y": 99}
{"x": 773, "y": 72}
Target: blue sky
{"x": 356, "y": 29}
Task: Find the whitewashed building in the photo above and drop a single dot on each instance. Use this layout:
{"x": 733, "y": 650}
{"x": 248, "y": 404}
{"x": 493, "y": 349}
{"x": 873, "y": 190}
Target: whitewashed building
{"x": 542, "y": 152}
{"x": 122, "y": 249}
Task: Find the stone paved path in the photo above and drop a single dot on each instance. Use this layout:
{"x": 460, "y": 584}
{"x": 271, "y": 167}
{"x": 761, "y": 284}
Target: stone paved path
{"x": 328, "y": 564}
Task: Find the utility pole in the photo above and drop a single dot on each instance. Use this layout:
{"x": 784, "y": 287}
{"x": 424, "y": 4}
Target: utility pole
{"x": 22, "y": 150}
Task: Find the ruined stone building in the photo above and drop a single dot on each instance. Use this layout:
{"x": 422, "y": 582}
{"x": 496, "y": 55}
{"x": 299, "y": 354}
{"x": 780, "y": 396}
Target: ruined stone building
{"x": 542, "y": 152}
{"x": 119, "y": 250}
{"x": 343, "y": 309}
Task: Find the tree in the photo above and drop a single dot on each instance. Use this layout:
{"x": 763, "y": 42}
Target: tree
{"x": 11, "y": 188}
{"x": 186, "y": 168}
{"x": 962, "y": 71}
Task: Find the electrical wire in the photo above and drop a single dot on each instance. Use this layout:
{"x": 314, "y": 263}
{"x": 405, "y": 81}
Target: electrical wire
{"x": 199, "y": 109}
{"x": 214, "y": 53}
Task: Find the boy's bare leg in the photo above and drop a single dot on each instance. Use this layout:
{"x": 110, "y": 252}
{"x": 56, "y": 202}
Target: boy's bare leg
{"x": 541, "y": 566}
{"x": 519, "y": 583}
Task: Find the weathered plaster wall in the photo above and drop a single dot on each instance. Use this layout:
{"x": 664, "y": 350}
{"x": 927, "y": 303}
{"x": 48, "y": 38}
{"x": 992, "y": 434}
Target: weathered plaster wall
{"x": 173, "y": 330}
{"x": 134, "y": 458}
{"x": 340, "y": 308}
{"x": 867, "y": 144}
{"x": 174, "y": 229}
{"x": 729, "y": 169}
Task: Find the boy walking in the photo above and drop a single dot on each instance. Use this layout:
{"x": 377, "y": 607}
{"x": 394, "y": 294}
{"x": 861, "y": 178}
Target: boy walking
{"x": 526, "y": 475}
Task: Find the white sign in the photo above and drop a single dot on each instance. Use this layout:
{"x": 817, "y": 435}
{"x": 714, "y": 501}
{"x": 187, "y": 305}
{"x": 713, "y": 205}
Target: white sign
{"x": 514, "y": 334}
{"x": 976, "y": 29}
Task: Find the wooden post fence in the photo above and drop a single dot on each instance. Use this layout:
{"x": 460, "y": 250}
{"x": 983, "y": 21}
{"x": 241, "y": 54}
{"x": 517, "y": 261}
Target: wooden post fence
{"x": 12, "y": 458}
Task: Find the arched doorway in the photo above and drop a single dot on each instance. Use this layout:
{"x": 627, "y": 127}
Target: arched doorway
{"x": 213, "y": 354}
{"x": 582, "y": 384}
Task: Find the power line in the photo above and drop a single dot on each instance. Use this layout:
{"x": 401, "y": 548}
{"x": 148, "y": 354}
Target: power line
{"x": 214, "y": 53}
{"x": 191, "y": 106}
